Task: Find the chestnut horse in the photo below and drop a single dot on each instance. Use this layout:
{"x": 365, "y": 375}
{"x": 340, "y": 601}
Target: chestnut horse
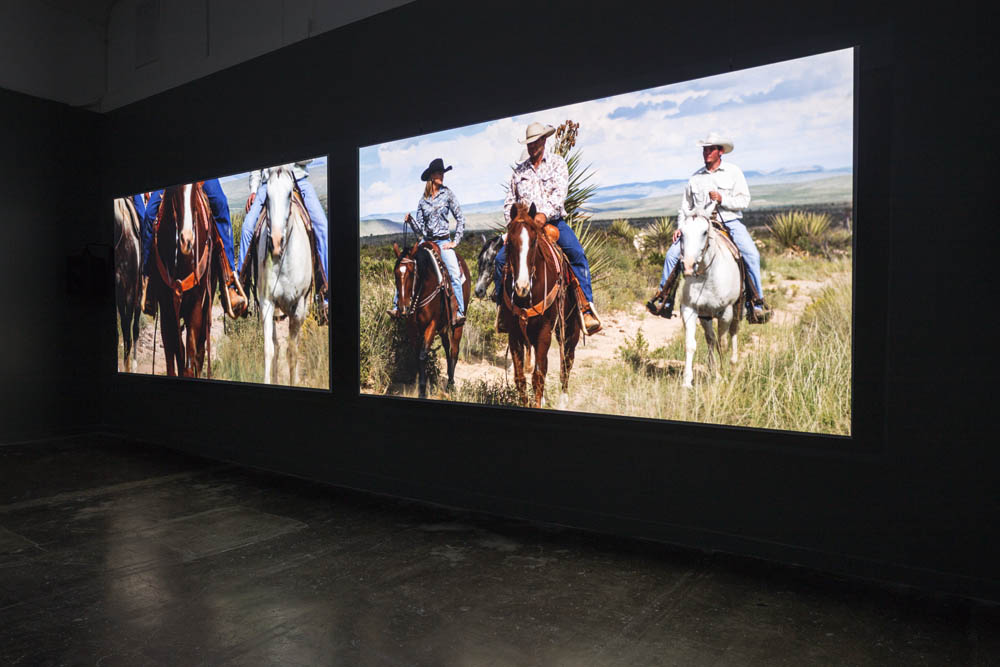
{"x": 537, "y": 302}
{"x": 128, "y": 287}
{"x": 422, "y": 285}
{"x": 181, "y": 278}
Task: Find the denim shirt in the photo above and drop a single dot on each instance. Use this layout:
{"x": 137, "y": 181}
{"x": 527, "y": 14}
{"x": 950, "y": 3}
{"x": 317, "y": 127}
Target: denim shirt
{"x": 431, "y": 220}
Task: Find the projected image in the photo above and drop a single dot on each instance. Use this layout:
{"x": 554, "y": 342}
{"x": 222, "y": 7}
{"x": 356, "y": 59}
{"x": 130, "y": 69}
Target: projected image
{"x": 227, "y": 278}
{"x": 682, "y": 252}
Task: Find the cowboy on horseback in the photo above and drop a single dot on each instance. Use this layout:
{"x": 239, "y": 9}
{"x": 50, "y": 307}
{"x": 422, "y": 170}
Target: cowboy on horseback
{"x": 431, "y": 224}
{"x": 542, "y": 179}
{"x": 255, "y": 204}
{"x": 725, "y": 185}
{"x": 220, "y": 213}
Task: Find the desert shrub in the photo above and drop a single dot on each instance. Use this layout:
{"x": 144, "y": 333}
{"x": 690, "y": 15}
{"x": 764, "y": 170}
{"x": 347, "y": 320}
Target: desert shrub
{"x": 483, "y": 392}
{"x": 385, "y": 353}
{"x": 635, "y": 351}
{"x": 622, "y": 229}
{"x": 656, "y": 238}
{"x": 799, "y": 230}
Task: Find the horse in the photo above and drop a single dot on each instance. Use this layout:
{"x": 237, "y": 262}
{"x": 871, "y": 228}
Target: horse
{"x": 712, "y": 290}
{"x": 182, "y": 281}
{"x": 537, "y": 302}
{"x": 128, "y": 287}
{"x": 484, "y": 262}
{"x": 284, "y": 269}
{"x": 422, "y": 285}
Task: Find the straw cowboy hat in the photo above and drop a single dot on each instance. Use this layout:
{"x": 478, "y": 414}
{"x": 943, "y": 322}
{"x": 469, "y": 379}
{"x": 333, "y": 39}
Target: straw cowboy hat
{"x": 437, "y": 164}
{"x": 536, "y": 131}
{"x": 716, "y": 139}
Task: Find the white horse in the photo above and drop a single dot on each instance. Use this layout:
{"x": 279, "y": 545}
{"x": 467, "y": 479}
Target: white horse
{"x": 711, "y": 289}
{"x": 284, "y": 270}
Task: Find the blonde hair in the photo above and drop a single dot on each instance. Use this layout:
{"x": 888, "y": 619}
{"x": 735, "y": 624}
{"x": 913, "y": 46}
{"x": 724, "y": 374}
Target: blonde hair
{"x": 428, "y": 189}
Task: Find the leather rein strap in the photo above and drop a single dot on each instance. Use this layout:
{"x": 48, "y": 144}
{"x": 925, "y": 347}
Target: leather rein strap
{"x": 193, "y": 279}
{"x": 539, "y": 308}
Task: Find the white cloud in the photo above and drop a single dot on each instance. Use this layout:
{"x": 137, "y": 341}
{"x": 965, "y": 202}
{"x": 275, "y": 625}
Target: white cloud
{"x": 807, "y": 128}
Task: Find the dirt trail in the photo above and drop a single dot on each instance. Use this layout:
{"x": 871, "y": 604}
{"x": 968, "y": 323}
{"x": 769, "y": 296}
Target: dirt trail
{"x": 144, "y": 346}
{"x": 603, "y": 347}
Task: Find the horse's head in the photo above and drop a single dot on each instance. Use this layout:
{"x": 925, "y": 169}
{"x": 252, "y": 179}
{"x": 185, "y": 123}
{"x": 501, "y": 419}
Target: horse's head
{"x": 405, "y": 273}
{"x": 280, "y": 186}
{"x": 487, "y": 255}
{"x": 522, "y": 246}
{"x": 179, "y": 205}
{"x": 694, "y": 234}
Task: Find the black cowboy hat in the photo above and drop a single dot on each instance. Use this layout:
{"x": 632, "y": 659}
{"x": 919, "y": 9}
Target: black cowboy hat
{"x": 437, "y": 164}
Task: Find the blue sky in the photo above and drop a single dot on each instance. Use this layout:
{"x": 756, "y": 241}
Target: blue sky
{"x": 784, "y": 115}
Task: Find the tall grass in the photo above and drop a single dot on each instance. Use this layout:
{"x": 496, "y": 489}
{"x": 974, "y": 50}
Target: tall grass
{"x": 790, "y": 378}
{"x": 241, "y": 354}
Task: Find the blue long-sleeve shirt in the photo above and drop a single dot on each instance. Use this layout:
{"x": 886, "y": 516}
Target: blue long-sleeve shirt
{"x": 431, "y": 219}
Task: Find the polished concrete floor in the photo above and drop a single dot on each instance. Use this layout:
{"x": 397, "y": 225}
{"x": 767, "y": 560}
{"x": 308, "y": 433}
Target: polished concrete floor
{"x": 118, "y": 554}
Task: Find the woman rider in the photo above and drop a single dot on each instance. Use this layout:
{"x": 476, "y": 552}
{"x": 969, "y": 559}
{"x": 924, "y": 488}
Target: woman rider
{"x": 432, "y": 225}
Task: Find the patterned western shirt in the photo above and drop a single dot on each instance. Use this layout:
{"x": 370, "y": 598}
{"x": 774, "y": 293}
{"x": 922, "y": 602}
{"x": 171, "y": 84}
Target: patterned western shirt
{"x": 728, "y": 180}
{"x": 431, "y": 220}
{"x": 544, "y": 187}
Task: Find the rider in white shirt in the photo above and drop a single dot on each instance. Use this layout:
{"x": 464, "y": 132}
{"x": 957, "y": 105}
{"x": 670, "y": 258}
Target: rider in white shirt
{"x": 726, "y": 185}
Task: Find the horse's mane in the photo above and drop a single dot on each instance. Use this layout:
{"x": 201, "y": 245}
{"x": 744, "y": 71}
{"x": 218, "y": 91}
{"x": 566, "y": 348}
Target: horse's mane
{"x": 425, "y": 266}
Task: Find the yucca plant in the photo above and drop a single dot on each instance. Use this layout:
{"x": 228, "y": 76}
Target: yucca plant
{"x": 656, "y": 237}
{"x": 799, "y": 230}
{"x": 623, "y": 229}
{"x": 579, "y": 191}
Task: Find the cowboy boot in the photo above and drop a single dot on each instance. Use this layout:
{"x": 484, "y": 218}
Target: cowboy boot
{"x": 590, "y": 319}
{"x": 456, "y": 319}
{"x": 591, "y": 323}
{"x": 148, "y": 305}
{"x": 662, "y": 303}
{"x": 235, "y": 297}
{"x": 758, "y": 312}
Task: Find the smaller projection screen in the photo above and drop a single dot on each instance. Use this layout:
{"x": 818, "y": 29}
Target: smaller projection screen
{"x": 226, "y": 278}
{"x": 680, "y": 253}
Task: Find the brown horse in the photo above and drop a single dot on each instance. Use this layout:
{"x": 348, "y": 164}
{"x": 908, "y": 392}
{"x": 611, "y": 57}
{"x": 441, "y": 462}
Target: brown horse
{"x": 537, "y": 302}
{"x": 128, "y": 287}
{"x": 422, "y": 285}
{"x": 181, "y": 279}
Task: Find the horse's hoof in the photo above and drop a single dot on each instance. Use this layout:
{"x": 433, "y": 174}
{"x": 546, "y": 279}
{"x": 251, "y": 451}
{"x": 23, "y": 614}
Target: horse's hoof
{"x": 563, "y": 401}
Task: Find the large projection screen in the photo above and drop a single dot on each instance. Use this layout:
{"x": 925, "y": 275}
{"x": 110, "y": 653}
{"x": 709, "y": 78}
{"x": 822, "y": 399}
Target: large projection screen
{"x": 197, "y": 250}
{"x": 763, "y": 157}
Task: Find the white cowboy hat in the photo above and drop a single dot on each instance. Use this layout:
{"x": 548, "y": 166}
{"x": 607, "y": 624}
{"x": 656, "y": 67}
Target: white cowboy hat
{"x": 716, "y": 139}
{"x": 536, "y": 131}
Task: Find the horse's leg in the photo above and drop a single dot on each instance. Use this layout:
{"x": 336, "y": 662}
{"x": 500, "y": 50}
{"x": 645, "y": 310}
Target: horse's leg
{"x": 456, "y": 340}
{"x": 170, "y": 338}
{"x": 426, "y": 340}
{"x": 734, "y": 330}
{"x": 690, "y": 318}
{"x": 569, "y": 349}
{"x": 712, "y": 341}
{"x": 136, "y": 314}
{"x": 449, "y": 362}
{"x": 275, "y": 346}
{"x": 541, "y": 361}
{"x": 516, "y": 344}
{"x": 267, "y": 325}
{"x": 294, "y": 327}
{"x": 123, "y": 320}
{"x": 725, "y": 329}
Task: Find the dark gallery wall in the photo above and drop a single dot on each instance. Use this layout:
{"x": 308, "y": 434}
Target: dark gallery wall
{"x": 910, "y": 498}
{"x": 49, "y": 331}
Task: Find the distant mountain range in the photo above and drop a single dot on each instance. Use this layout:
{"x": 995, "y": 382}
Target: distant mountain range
{"x": 659, "y": 197}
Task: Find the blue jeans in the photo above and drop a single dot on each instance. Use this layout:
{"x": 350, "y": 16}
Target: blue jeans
{"x": 574, "y": 253}
{"x": 313, "y": 208}
{"x": 450, "y": 260}
{"x": 745, "y": 244}
{"x": 220, "y": 213}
